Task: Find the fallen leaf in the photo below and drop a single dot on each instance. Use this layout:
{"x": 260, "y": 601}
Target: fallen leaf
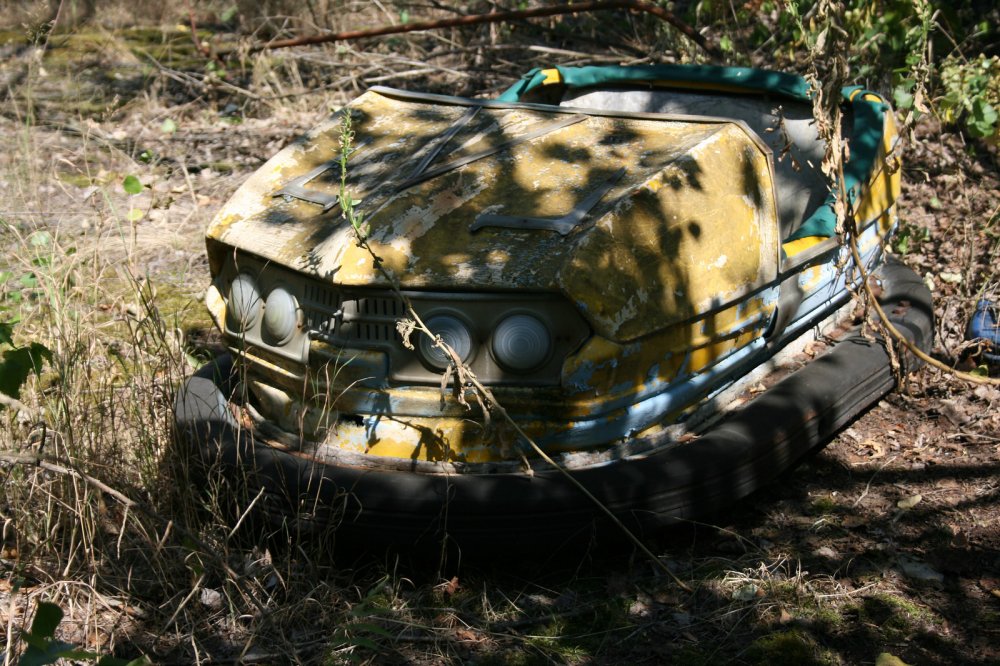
{"x": 467, "y": 635}
{"x": 950, "y": 278}
{"x": 745, "y": 592}
{"x": 211, "y": 598}
{"x": 877, "y": 449}
{"x": 954, "y": 412}
{"x": 886, "y": 659}
{"x": 918, "y": 570}
{"x": 909, "y": 502}
{"x": 991, "y": 585}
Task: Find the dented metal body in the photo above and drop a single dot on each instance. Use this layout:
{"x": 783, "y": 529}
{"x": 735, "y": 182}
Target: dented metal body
{"x": 640, "y": 235}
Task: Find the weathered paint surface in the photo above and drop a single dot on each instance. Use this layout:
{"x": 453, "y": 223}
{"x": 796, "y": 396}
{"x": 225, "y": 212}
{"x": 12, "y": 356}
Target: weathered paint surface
{"x": 660, "y": 267}
{"x": 692, "y": 220}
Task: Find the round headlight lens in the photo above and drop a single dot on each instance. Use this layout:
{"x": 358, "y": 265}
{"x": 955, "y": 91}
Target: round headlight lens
{"x": 454, "y": 333}
{"x": 281, "y": 315}
{"x": 244, "y": 302}
{"x": 521, "y": 343}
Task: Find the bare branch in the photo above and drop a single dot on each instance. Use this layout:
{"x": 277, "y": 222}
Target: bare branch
{"x": 641, "y": 6}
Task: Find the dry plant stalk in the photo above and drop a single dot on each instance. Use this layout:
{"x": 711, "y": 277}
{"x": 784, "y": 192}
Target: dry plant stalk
{"x": 828, "y": 73}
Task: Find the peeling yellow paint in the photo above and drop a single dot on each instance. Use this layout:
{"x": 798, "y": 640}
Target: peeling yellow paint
{"x": 680, "y": 205}
{"x": 660, "y": 267}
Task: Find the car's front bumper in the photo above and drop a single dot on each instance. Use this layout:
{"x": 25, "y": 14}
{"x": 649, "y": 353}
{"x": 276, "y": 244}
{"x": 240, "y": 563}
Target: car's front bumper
{"x": 409, "y": 501}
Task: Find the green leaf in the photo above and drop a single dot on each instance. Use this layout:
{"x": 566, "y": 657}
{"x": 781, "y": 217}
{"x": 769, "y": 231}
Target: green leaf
{"x": 6, "y": 333}
{"x": 135, "y": 215}
{"x": 902, "y": 98}
{"x": 132, "y": 185}
{"x": 51, "y": 652}
{"x": 984, "y": 119}
{"x": 169, "y": 126}
{"x": 15, "y": 366}
{"x": 47, "y": 617}
{"x": 116, "y": 661}
{"x": 369, "y": 628}
{"x": 364, "y": 643}
{"x": 404, "y": 16}
{"x": 40, "y": 239}
{"x": 229, "y": 14}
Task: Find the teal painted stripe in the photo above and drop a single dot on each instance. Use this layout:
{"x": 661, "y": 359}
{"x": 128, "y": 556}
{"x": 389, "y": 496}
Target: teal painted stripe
{"x": 747, "y": 79}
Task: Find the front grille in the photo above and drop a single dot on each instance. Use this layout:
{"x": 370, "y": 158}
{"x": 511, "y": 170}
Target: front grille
{"x": 347, "y": 317}
{"x": 351, "y": 319}
{"x": 320, "y": 306}
{"x": 370, "y": 320}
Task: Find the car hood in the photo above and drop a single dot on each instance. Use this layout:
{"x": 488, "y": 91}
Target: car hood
{"x": 641, "y": 220}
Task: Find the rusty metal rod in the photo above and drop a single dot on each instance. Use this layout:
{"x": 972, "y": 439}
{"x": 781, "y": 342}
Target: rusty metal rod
{"x": 497, "y": 17}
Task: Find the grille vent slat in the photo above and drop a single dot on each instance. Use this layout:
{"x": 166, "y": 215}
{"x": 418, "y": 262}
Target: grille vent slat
{"x": 342, "y": 319}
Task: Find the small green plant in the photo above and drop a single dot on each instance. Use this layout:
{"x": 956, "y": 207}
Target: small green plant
{"x": 910, "y": 237}
{"x": 972, "y": 94}
{"x": 359, "y": 631}
{"x": 43, "y": 648}
{"x": 17, "y": 363}
{"x": 133, "y": 187}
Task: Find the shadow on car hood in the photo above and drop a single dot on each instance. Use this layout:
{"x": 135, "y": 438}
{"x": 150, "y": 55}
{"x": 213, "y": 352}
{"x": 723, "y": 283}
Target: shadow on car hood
{"x": 641, "y": 220}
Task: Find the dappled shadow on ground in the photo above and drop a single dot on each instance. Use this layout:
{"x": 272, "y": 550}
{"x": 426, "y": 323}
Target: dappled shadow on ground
{"x": 823, "y": 566}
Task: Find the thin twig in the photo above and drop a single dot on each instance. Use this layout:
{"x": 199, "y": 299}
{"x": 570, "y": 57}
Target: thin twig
{"x": 498, "y": 17}
{"x": 202, "y": 49}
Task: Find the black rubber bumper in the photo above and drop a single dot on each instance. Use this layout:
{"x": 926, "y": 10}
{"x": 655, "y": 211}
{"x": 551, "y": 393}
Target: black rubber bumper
{"x": 733, "y": 458}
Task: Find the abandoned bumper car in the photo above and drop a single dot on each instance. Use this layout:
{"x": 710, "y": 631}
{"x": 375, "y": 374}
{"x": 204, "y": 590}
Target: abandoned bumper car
{"x": 642, "y": 264}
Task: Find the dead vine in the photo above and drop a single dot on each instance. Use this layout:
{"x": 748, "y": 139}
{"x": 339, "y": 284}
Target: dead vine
{"x": 828, "y": 73}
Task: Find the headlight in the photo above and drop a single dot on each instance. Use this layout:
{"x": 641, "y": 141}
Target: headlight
{"x": 454, "y": 333}
{"x": 244, "y": 302}
{"x": 521, "y": 343}
{"x": 281, "y": 316}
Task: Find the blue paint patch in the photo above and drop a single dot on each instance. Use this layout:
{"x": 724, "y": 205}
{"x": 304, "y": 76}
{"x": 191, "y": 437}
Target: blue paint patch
{"x": 579, "y": 379}
{"x": 653, "y": 374}
{"x": 622, "y": 388}
{"x": 630, "y": 349}
{"x": 666, "y": 398}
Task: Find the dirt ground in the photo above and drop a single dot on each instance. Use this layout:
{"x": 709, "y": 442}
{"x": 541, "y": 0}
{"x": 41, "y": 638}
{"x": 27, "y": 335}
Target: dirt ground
{"x": 886, "y": 541}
